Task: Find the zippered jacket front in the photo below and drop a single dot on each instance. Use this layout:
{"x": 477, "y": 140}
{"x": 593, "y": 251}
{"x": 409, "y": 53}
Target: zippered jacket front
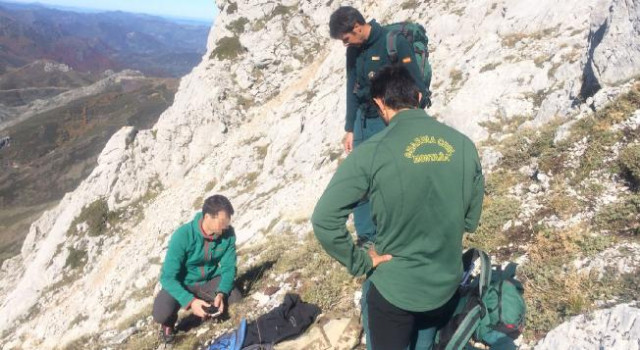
{"x": 194, "y": 258}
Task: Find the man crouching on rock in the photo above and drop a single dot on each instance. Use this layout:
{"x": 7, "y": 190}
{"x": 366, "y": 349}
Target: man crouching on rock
{"x": 199, "y": 267}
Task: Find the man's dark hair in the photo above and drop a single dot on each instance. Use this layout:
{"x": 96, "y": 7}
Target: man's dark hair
{"x": 216, "y": 203}
{"x": 343, "y": 20}
{"x": 396, "y": 87}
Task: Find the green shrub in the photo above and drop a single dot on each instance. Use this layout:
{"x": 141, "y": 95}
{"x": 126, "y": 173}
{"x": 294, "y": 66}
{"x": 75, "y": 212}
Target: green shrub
{"x": 527, "y": 144}
{"x": 489, "y": 67}
{"x": 244, "y": 102}
{"x": 496, "y": 212}
{"x": 629, "y": 162}
{"x": 210, "y": 185}
{"x": 499, "y": 182}
{"x": 456, "y": 76}
{"x": 281, "y": 10}
{"x": 622, "y": 217}
{"x": 410, "y": 4}
{"x": 622, "y": 108}
{"x": 553, "y": 290}
{"x": 198, "y": 202}
{"x": 233, "y": 7}
{"x": 227, "y": 48}
{"x": 77, "y": 258}
{"x": 77, "y": 320}
{"x": 96, "y": 215}
{"x": 237, "y": 26}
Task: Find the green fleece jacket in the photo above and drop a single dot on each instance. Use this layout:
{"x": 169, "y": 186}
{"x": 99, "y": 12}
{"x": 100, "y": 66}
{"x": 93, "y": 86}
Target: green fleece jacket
{"x": 194, "y": 258}
{"x": 426, "y": 187}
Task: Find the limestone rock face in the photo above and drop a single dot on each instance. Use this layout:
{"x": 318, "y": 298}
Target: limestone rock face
{"x": 614, "y": 45}
{"x": 260, "y": 120}
{"x": 617, "y": 328}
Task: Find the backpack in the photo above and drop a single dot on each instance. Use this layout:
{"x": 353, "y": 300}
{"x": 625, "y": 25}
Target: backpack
{"x": 491, "y": 309}
{"x": 232, "y": 340}
{"x": 416, "y": 35}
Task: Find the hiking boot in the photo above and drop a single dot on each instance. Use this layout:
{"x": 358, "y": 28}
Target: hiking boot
{"x": 167, "y": 334}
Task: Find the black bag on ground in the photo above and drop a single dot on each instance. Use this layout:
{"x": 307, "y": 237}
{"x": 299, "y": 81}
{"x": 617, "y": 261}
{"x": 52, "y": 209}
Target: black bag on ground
{"x": 287, "y": 320}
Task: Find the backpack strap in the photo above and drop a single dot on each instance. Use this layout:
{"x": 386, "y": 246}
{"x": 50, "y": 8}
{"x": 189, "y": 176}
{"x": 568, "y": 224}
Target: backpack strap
{"x": 485, "y": 271}
{"x": 510, "y": 270}
{"x": 465, "y": 330}
{"x": 468, "y": 259}
{"x": 392, "y": 47}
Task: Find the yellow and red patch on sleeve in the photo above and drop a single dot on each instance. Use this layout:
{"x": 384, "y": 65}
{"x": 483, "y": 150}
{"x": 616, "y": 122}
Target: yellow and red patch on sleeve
{"x": 406, "y": 60}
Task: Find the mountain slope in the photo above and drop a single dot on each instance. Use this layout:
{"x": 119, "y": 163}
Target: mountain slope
{"x": 97, "y": 41}
{"x": 51, "y": 152}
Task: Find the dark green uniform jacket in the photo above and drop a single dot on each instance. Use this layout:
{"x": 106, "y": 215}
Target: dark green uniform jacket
{"x": 426, "y": 187}
{"x": 194, "y": 258}
{"x": 364, "y": 61}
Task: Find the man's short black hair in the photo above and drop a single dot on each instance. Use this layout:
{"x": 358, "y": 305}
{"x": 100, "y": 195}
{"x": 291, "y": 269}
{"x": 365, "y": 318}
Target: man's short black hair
{"x": 216, "y": 203}
{"x": 343, "y": 20}
{"x": 396, "y": 87}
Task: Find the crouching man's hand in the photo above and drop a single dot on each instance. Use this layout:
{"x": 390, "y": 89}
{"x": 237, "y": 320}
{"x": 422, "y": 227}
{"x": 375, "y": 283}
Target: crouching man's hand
{"x": 378, "y": 259}
{"x": 219, "y": 302}
{"x": 197, "y": 307}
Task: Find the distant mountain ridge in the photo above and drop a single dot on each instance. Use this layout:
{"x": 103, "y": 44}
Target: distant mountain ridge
{"x": 98, "y": 41}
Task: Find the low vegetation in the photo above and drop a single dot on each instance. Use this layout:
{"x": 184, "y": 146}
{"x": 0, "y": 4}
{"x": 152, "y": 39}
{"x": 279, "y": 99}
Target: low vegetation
{"x": 629, "y": 162}
{"x": 77, "y": 258}
{"x": 232, "y": 8}
{"x": 238, "y": 25}
{"x": 489, "y": 67}
{"x": 96, "y": 216}
{"x": 510, "y": 40}
{"x": 516, "y": 222}
{"x": 227, "y": 48}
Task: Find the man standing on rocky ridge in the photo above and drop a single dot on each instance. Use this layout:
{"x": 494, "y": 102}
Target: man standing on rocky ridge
{"x": 199, "y": 267}
{"x": 426, "y": 187}
{"x": 366, "y": 52}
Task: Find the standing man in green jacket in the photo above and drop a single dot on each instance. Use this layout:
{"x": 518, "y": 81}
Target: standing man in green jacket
{"x": 366, "y": 52}
{"x": 199, "y": 267}
{"x": 426, "y": 187}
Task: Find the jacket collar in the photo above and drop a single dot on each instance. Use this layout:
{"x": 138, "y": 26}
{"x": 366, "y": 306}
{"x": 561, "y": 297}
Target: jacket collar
{"x": 408, "y": 114}
{"x": 375, "y": 34}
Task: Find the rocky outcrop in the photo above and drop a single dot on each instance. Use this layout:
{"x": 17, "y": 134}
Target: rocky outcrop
{"x": 621, "y": 259}
{"x": 260, "y": 120}
{"x": 617, "y": 328}
{"x": 613, "y": 55}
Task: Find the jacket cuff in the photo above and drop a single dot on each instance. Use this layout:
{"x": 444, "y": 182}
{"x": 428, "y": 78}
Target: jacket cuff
{"x": 188, "y": 306}
{"x": 348, "y": 126}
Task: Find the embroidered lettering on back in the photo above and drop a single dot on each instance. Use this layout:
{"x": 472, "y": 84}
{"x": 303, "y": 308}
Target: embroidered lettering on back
{"x": 416, "y": 156}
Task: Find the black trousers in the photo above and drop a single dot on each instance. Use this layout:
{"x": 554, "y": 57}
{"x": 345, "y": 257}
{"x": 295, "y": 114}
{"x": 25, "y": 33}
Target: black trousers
{"x": 392, "y": 328}
{"x": 166, "y": 307}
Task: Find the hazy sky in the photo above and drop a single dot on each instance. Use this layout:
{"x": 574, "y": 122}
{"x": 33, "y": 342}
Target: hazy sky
{"x": 200, "y": 9}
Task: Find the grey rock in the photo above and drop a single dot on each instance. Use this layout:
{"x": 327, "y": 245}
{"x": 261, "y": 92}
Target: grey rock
{"x": 617, "y": 328}
{"x": 124, "y": 335}
{"x": 621, "y": 258}
{"x": 613, "y": 56}
{"x": 490, "y": 158}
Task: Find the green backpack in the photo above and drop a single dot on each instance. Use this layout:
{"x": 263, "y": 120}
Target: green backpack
{"x": 491, "y": 309}
{"x": 416, "y": 35}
